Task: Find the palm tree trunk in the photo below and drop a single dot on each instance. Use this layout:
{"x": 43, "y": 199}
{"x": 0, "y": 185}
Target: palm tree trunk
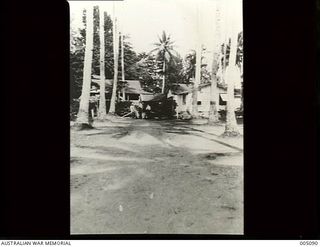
{"x": 226, "y": 41}
{"x": 102, "y": 103}
{"x": 213, "y": 111}
{"x": 112, "y": 109}
{"x": 197, "y": 79}
{"x": 195, "y": 112}
{"x": 122, "y": 65}
{"x": 231, "y": 128}
{"x": 164, "y": 76}
{"x": 225, "y": 59}
{"x": 83, "y": 114}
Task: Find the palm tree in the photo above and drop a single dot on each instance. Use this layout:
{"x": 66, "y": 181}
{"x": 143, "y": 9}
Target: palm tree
{"x": 214, "y": 95}
{"x": 102, "y": 103}
{"x": 164, "y": 50}
{"x": 213, "y": 112}
{"x": 112, "y": 108}
{"x": 122, "y": 65}
{"x": 83, "y": 114}
{"x": 231, "y": 73}
{"x": 196, "y": 81}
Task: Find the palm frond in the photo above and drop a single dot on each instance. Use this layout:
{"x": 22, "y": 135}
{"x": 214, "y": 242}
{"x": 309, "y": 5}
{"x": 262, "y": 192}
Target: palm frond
{"x": 153, "y": 50}
{"x": 167, "y": 56}
{"x": 157, "y": 44}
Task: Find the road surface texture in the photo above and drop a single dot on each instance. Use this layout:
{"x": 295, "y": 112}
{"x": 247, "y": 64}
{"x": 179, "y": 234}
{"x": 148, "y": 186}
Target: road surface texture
{"x": 138, "y": 177}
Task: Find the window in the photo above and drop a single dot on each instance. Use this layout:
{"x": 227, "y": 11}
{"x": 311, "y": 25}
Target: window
{"x": 134, "y": 96}
{"x": 184, "y": 99}
{"x": 199, "y": 103}
{"x": 223, "y": 99}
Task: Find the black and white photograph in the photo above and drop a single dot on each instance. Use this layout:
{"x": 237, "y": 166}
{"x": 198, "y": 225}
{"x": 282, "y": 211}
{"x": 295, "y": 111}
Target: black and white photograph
{"x": 156, "y": 117}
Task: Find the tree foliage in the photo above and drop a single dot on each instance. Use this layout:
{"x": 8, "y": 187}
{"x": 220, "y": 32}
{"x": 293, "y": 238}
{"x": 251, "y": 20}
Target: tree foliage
{"x": 239, "y": 57}
{"x": 77, "y": 47}
{"x": 189, "y": 69}
{"x": 168, "y": 58}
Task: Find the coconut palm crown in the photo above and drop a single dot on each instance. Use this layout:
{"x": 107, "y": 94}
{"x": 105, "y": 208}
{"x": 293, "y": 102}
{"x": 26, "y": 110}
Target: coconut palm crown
{"x": 165, "y": 53}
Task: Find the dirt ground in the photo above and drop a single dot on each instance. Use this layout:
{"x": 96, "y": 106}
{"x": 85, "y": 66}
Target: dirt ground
{"x": 140, "y": 177}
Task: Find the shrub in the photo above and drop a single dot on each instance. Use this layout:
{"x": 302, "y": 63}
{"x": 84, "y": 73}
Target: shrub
{"x": 122, "y": 107}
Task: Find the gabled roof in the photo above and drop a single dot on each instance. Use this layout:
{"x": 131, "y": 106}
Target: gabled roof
{"x": 131, "y": 86}
{"x": 134, "y": 87}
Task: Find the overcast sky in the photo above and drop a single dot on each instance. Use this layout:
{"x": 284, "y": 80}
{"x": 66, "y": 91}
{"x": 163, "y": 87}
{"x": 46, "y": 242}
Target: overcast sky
{"x": 144, "y": 20}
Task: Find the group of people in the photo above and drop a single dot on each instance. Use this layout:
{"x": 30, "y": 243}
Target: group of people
{"x": 140, "y": 110}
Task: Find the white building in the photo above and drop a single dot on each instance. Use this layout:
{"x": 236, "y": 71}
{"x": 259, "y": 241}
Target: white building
{"x": 182, "y": 94}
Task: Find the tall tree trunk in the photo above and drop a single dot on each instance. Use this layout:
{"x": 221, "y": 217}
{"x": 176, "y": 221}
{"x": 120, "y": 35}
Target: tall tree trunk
{"x": 213, "y": 111}
{"x": 122, "y": 66}
{"x": 164, "y": 75}
{"x": 196, "y": 82}
{"x": 197, "y": 79}
{"x": 214, "y": 102}
{"x": 231, "y": 128}
{"x": 102, "y": 103}
{"x": 112, "y": 109}
{"x": 83, "y": 114}
{"x": 226, "y": 40}
{"x": 225, "y": 59}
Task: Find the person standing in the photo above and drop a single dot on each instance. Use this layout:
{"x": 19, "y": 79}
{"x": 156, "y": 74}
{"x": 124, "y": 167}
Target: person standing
{"x": 132, "y": 110}
{"x": 148, "y": 111}
{"x": 136, "y": 111}
{"x": 140, "y": 109}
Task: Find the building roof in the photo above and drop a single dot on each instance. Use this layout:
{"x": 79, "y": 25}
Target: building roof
{"x": 153, "y": 97}
{"x": 202, "y": 85}
{"x": 179, "y": 89}
{"x": 134, "y": 87}
{"x": 108, "y": 82}
{"x": 131, "y": 86}
{"x": 219, "y": 85}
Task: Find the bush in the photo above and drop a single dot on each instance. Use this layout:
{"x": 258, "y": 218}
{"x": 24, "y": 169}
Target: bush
{"x": 122, "y": 107}
{"x": 74, "y": 108}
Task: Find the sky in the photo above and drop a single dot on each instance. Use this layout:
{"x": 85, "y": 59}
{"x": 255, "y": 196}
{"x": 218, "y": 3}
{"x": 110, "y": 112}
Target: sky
{"x": 144, "y": 20}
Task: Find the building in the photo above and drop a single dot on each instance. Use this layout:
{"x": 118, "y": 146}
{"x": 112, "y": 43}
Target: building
{"x": 182, "y": 94}
{"x": 131, "y": 89}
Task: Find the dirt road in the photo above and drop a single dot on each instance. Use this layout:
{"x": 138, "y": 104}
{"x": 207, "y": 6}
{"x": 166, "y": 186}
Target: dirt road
{"x": 139, "y": 176}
